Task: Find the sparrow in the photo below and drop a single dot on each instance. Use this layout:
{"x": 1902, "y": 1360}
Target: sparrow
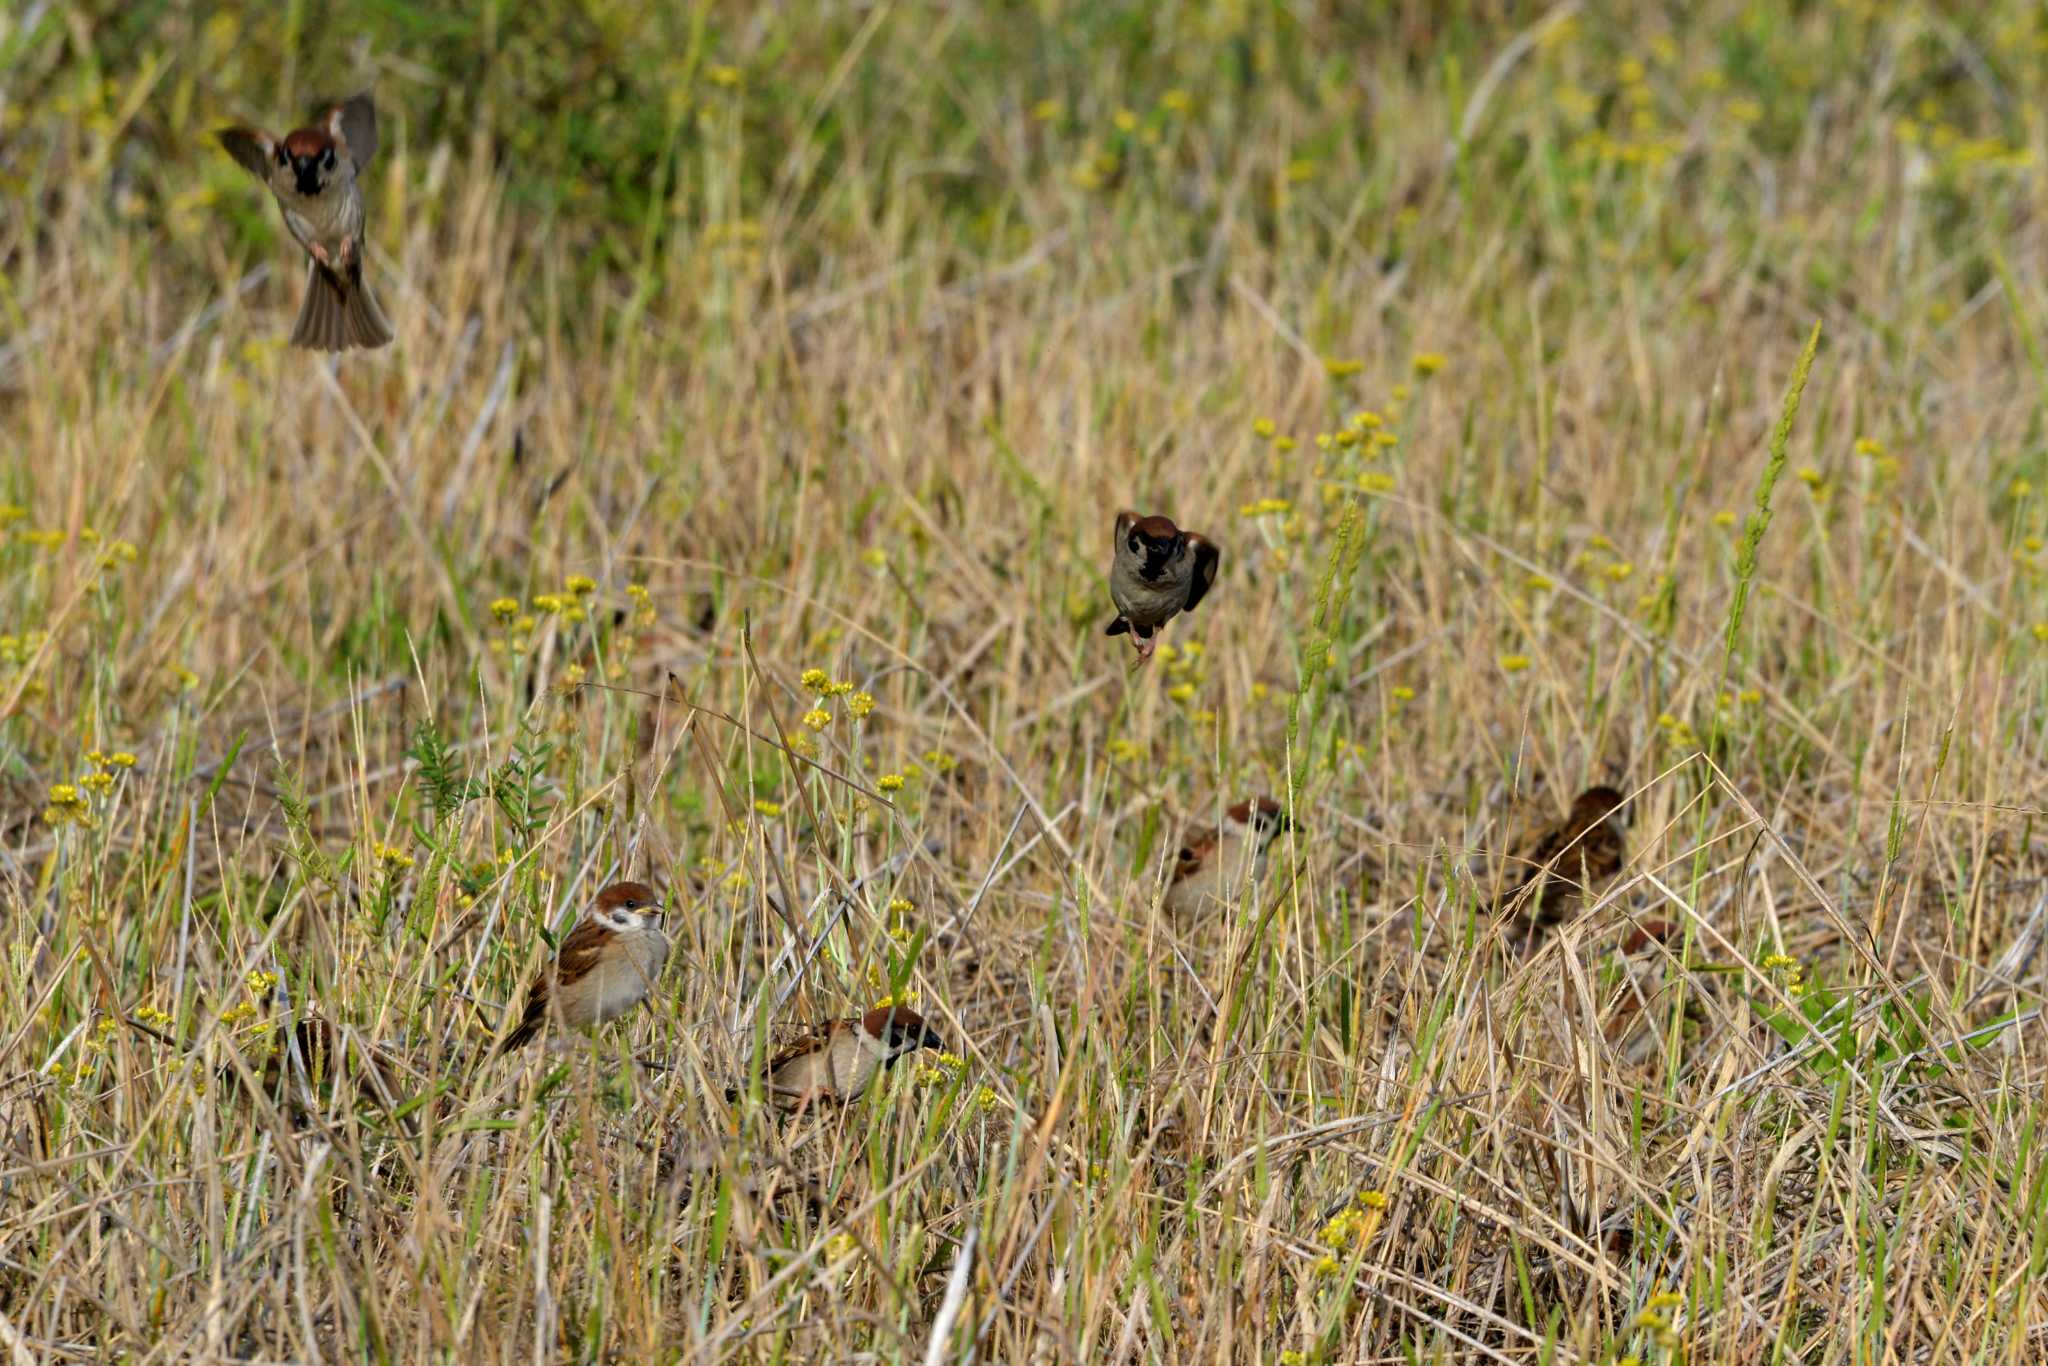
{"x": 312, "y": 171}
{"x": 1214, "y": 862}
{"x": 839, "y": 1059}
{"x": 1159, "y": 572}
{"x": 1567, "y": 858}
{"x": 605, "y": 966}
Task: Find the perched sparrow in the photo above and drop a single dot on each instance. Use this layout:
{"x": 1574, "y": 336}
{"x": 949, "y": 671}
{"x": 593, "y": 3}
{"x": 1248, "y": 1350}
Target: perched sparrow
{"x": 1214, "y": 863}
{"x": 838, "y": 1060}
{"x": 1159, "y": 572}
{"x": 313, "y": 171}
{"x": 1566, "y": 859}
{"x": 605, "y": 965}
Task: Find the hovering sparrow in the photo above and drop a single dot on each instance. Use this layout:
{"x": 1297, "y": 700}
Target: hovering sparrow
{"x": 1566, "y": 859}
{"x": 838, "y": 1060}
{"x": 604, "y": 967}
{"x": 1159, "y": 572}
{"x": 312, "y": 171}
{"x": 1215, "y": 862}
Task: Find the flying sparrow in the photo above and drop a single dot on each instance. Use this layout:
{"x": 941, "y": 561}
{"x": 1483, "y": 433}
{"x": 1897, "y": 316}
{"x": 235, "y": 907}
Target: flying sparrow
{"x": 1214, "y": 862}
{"x": 603, "y": 969}
{"x": 1159, "y": 572}
{"x": 838, "y": 1060}
{"x": 1567, "y": 858}
{"x": 312, "y": 171}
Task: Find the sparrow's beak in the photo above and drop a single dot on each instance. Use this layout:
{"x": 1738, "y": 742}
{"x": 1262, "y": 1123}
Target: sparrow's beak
{"x": 931, "y": 1039}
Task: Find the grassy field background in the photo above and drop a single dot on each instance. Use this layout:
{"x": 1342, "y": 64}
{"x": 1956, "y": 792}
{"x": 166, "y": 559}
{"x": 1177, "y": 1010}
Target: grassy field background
{"x": 737, "y": 344}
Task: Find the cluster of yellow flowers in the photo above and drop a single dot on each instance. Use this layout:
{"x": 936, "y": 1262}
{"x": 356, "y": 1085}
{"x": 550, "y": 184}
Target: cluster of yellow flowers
{"x": 115, "y": 553}
{"x": 390, "y": 857}
{"x": 1100, "y": 159}
{"x": 941, "y": 1070}
{"x": 16, "y": 654}
{"x": 1678, "y": 732}
{"x": 1655, "y": 1319}
{"x": 1955, "y": 152}
{"x": 1349, "y": 1229}
{"x": 569, "y": 605}
{"x": 1795, "y": 976}
{"x": 71, "y": 803}
{"x": 824, "y": 687}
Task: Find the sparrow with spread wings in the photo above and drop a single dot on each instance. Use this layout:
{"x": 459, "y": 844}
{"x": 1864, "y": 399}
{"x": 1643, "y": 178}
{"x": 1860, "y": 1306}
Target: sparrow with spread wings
{"x": 312, "y": 172}
{"x": 1159, "y": 572}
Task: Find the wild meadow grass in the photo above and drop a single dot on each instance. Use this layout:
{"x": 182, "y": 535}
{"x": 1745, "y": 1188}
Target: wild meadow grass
{"x": 1649, "y": 396}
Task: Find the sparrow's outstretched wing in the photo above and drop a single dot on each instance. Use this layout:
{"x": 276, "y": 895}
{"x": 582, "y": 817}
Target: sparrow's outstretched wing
{"x": 252, "y": 147}
{"x": 1208, "y": 559}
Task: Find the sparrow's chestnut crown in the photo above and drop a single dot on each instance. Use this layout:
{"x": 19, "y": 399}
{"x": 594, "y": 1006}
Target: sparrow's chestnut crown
{"x": 1158, "y": 540}
{"x": 628, "y": 896}
{"x": 1596, "y": 804}
{"x": 901, "y": 1028}
{"x": 1264, "y": 814}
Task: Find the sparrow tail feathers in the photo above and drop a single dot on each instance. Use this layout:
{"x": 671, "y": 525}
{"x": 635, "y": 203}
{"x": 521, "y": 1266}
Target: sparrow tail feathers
{"x": 339, "y": 312}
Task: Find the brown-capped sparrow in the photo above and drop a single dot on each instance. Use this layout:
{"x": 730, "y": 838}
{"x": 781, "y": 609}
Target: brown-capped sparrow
{"x": 839, "y": 1059}
{"x": 605, "y": 966}
{"x": 1559, "y": 862}
{"x": 313, "y": 173}
{"x": 1215, "y": 862}
{"x": 1159, "y": 572}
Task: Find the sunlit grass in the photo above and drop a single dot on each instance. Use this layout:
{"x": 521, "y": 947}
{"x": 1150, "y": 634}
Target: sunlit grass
{"x": 733, "y": 512}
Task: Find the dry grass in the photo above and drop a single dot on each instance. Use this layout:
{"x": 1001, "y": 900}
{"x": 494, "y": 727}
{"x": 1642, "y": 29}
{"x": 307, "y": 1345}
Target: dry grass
{"x": 861, "y": 392}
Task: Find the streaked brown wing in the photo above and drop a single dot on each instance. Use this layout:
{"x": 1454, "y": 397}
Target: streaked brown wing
{"x": 580, "y": 950}
{"x": 814, "y": 1038}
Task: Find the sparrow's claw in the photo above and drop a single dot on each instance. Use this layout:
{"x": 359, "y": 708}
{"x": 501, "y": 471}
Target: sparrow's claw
{"x": 1145, "y": 646}
{"x": 348, "y": 249}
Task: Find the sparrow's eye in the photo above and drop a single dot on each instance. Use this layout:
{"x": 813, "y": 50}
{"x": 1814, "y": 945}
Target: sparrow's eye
{"x": 1135, "y": 548}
